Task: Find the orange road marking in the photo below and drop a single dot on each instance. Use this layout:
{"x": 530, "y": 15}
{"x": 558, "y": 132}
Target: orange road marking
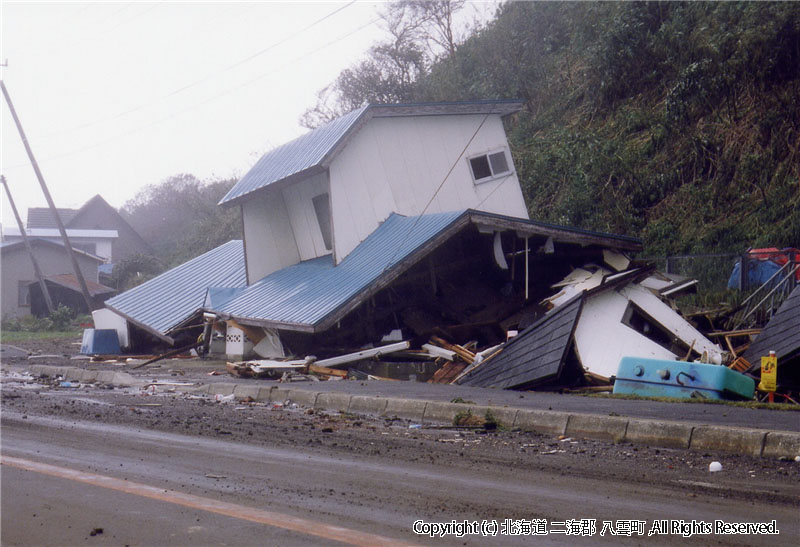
{"x": 270, "y": 518}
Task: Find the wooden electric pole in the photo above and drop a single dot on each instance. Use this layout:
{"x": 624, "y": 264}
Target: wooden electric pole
{"x": 70, "y": 252}
{"x": 28, "y": 246}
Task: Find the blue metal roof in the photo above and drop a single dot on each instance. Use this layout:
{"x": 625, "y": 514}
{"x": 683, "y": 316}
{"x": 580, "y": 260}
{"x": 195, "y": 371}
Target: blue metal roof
{"x": 306, "y": 293}
{"x": 163, "y": 302}
{"x": 311, "y": 151}
{"x": 294, "y": 157}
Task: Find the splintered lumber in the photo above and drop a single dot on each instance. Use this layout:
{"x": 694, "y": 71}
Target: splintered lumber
{"x": 436, "y": 351}
{"x": 447, "y": 373}
{"x": 480, "y": 358}
{"x": 461, "y": 351}
{"x": 365, "y": 354}
{"x": 325, "y": 371}
{"x": 258, "y": 368}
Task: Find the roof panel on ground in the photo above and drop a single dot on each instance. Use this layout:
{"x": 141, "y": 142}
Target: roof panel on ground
{"x": 163, "y": 302}
{"x": 534, "y": 356}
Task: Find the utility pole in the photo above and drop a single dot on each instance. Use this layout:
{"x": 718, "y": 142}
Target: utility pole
{"x": 70, "y": 252}
{"x": 28, "y": 246}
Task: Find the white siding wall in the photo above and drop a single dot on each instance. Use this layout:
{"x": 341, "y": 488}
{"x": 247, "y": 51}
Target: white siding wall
{"x": 281, "y": 228}
{"x": 602, "y": 339}
{"x": 601, "y": 322}
{"x": 397, "y": 164}
{"x": 298, "y": 198}
{"x": 268, "y": 236}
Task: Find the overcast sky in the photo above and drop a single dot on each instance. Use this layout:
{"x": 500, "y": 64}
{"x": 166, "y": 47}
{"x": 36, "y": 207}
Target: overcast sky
{"x": 114, "y": 96}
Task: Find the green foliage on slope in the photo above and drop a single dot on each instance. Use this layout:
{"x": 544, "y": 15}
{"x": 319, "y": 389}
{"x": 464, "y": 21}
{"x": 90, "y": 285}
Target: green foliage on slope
{"x": 675, "y": 122}
{"x": 678, "y": 123}
{"x": 180, "y": 219}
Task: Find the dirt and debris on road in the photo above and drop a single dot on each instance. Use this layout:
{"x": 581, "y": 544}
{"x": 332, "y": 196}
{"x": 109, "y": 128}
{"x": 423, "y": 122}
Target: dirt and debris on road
{"x": 475, "y": 449}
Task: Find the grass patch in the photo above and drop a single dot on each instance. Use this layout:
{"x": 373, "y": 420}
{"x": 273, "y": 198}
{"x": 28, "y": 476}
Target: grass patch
{"x": 11, "y": 337}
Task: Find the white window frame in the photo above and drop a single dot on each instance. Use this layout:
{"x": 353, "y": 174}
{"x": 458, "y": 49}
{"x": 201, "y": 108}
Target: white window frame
{"x": 493, "y": 176}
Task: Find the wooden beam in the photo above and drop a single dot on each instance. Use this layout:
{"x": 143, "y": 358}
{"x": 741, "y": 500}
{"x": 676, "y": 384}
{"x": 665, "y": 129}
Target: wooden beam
{"x": 365, "y": 354}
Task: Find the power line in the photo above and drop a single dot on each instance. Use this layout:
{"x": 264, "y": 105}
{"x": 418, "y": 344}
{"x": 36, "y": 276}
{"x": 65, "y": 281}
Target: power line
{"x": 205, "y": 101}
{"x": 436, "y": 192}
{"x": 204, "y": 78}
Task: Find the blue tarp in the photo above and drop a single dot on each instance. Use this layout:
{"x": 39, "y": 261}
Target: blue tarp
{"x": 758, "y": 273}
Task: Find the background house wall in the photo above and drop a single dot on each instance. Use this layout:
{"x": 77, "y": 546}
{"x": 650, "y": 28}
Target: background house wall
{"x": 396, "y": 164}
{"x": 97, "y": 214}
{"x": 17, "y": 267}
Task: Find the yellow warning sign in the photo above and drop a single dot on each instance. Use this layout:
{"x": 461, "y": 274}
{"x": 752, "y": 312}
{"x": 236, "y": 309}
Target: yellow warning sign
{"x": 769, "y": 373}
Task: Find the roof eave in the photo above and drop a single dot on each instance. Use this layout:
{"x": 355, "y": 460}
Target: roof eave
{"x": 274, "y": 186}
{"x": 143, "y": 326}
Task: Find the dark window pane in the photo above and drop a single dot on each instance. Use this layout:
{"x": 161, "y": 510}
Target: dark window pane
{"x": 499, "y": 163}
{"x": 480, "y": 167}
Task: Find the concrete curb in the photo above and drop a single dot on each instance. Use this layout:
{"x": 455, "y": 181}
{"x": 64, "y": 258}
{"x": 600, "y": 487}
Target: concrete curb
{"x": 668, "y": 434}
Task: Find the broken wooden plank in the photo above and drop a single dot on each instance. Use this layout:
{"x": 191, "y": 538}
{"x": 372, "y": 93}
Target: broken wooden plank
{"x": 364, "y": 354}
{"x": 447, "y": 373}
{"x": 325, "y": 371}
{"x": 462, "y": 352}
{"x": 437, "y": 351}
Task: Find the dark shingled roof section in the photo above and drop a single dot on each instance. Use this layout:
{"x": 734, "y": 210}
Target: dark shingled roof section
{"x": 781, "y": 335}
{"x": 534, "y": 356}
{"x": 42, "y": 217}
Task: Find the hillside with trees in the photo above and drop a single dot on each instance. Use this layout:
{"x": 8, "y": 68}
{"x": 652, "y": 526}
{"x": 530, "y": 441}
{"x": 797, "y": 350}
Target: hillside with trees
{"x": 675, "y": 122}
{"x": 180, "y": 219}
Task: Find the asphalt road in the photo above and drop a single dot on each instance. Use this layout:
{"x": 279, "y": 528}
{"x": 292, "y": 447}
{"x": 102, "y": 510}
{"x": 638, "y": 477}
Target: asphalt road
{"x": 64, "y": 478}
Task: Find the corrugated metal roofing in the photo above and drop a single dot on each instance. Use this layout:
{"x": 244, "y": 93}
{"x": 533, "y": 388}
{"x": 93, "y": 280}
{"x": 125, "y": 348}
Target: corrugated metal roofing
{"x": 306, "y": 293}
{"x": 165, "y": 301}
{"x": 313, "y": 149}
{"x": 303, "y": 153}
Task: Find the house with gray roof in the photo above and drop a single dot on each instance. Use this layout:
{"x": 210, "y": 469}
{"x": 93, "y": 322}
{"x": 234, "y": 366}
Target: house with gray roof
{"x": 96, "y": 227}
{"x": 18, "y": 275}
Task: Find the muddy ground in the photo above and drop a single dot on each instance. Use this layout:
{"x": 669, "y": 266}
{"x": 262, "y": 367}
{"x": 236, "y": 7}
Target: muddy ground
{"x": 341, "y": 434}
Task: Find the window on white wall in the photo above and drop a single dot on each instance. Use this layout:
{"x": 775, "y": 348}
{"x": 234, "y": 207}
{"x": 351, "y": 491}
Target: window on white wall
{"x": 24, "y": 298}
{"x": 489, "y": 166}
{"x": 322, "y": 207}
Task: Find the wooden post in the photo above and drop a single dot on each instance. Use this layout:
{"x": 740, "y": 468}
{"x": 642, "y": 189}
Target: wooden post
{"x": 744, "y": 271}
{"x": 36, "y": 270}
{"x": 70, "y": 253}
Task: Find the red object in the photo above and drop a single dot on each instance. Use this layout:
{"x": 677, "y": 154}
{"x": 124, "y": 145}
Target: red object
{"x": 778, "y": 256}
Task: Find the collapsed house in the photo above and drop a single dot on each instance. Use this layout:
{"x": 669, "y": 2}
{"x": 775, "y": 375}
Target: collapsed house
{"x": 169, "y": 308}
{"x": 598, "y": 317}
{"x": 393, "y": 222}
